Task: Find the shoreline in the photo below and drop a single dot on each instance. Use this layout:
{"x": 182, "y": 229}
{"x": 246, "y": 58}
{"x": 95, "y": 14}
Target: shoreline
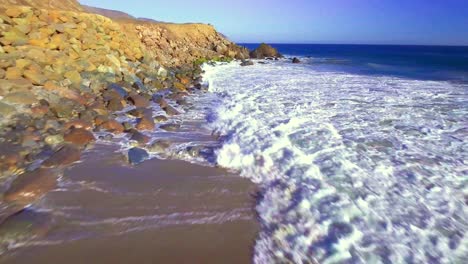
{"x": 198, "y": 214}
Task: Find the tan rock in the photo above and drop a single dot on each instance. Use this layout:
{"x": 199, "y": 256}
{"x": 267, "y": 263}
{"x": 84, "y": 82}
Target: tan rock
{"x": 74, "y": 77}
{"x": 17, "y": 11}
{"x": 179, "y": 86}
{"x": 22, "y": 63}
{"x": 13, "y": 73}
{"x": 20, "y": 98}
{"x": 35, "y": 77}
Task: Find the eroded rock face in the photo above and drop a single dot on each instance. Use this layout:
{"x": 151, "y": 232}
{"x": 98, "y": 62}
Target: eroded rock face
{"x": 265, "y": 51}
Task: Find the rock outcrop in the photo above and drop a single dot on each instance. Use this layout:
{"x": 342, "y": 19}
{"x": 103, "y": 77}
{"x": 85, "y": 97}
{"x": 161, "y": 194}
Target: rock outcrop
{"x": 265, "y": 51}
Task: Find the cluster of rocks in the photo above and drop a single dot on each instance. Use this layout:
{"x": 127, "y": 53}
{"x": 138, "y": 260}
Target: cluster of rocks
{"x": 64, "y": 75}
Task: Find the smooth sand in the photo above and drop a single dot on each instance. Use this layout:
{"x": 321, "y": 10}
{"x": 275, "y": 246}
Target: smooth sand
{"x": 157, "y": 212}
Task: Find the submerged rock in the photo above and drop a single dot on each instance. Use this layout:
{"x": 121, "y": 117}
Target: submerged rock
{"x": 64, "y": 156}
{"x": 31, "y": 186}
{"x": 23, "y": 226}
{"x": 137, "y": 156}
{"x": 296, "y": 60}
{"x": 170, "y": 127}
{"x": 247, "y": 63}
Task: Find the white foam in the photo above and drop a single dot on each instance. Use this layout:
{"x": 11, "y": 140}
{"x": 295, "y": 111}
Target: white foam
{"x": 353, "y": 168}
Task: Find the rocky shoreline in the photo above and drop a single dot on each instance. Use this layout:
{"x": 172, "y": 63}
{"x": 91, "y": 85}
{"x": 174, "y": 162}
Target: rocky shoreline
{"x": 67, "y": 75}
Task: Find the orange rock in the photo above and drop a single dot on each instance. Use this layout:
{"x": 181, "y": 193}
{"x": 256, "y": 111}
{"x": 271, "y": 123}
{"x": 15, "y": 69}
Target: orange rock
{"x": 13, "y": 73}
{"x": 113, "y": 127}
{"x": 79, "y": 136}
{"x": 145, "y": 123}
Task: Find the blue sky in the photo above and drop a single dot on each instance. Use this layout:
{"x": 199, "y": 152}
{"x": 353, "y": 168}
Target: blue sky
{"x": 430, "y": 22}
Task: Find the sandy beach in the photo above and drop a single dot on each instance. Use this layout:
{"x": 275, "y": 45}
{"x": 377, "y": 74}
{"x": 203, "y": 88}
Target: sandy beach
{"x": 105, "y": 211}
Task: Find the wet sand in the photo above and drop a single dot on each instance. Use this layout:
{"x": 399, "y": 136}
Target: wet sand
{"x": 158, "y": 212}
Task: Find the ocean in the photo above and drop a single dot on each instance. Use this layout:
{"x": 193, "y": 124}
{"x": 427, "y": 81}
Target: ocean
{"x": 360, "y": 152}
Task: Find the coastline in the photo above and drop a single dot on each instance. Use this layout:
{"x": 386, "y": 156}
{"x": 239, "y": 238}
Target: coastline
{"x": 160, "y": 211}
{"x": 72, "y": 80}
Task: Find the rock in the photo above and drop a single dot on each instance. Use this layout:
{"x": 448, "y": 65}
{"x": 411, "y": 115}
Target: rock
{"x": 66, "y": 155}
{"x": 160, "y": 118}
{"x": 6, "y": 110}
{"x": 16, "y": 84}
{"x": 137, "y": 156}
{"x": 264, "y": 51}
{"x": 115, "y": 105}
{"x": 54, "y": 140}
{"x": 159, "y": 146}
{"x": 20, "y": 98}
{"x": 79, "y": 136}
{"x": 139, "y": 112}
{"x": 296, "y": 60}
{"x": 35, "y": 77}
{"x": 170, "y": 110}
{"x": 138, "y": 100}
{"x": 247, "y": 63}
{"x": 139, "y": 137}
{"x": 159, "y": 99}
{"x": 145, "y": 123}
{"x": 119, "y": 89}
{"x": 31, "y": 186}
{"x": 13, "y": 73}
{"x": 74, "y": 77}
{"x": 179, "y": 86}
{"x": 170, "y": 127}
{"x": 113, "y": 126}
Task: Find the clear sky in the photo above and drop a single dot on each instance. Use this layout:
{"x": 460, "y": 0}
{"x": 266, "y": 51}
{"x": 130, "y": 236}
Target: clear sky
{"x": 439, "y": 22}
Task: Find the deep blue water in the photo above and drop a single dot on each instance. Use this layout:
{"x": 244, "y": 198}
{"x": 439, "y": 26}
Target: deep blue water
{"x": 417, "y": 62}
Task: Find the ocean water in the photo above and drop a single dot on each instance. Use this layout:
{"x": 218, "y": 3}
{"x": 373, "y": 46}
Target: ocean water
{"x": 360, "y": 152}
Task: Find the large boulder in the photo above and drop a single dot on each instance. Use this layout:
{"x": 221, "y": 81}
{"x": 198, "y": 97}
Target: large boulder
{"x": 265, "y": 51}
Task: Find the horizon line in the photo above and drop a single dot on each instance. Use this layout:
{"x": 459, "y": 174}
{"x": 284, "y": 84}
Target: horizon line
{"x": 355, "y": 44}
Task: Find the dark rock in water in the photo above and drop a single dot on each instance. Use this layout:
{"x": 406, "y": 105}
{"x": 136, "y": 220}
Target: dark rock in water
{"x": 117, "y": 88}
{"x": 247, "y": 63}
{"x": 296, "y": 60}
{"x": 137, "y": 156}
{"x": 23, "y": 226}
{"x": 31, "y": 186}
{"x": 170, "y": 110}
{"x": 64, "y": 156}
{"x": 170, "y": 127}
{"x": 264, "y": 51}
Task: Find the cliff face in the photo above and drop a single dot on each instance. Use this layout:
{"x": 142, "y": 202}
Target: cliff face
{"x": 171, "y": 44}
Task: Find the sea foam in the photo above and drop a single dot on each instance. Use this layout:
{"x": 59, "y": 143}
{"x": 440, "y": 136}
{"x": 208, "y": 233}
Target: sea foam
{"x": 352, "y": 168}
